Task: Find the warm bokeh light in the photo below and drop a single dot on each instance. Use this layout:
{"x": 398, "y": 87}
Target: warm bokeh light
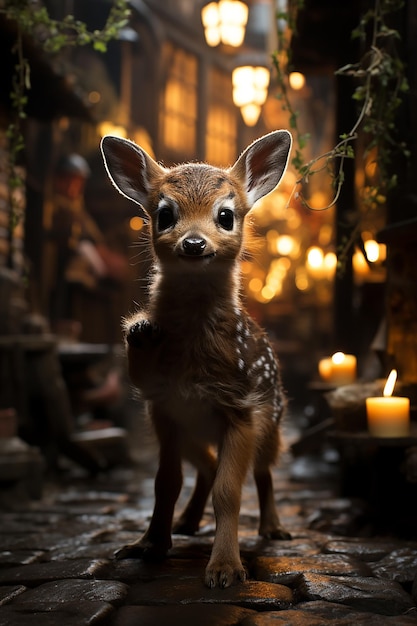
{"x": 375, "y": 251}
{"x": 255, "y": 284}
{"x": 210, "y": 19}
{"x": 314, "y": 257}
{"x": 293, "y": 219}
{"x": 268, "y": 292}
{"x": 297, "y": 80}
{"x": 375, "y": 254}
{"x": 319, "y": 264}
{"x": 281, "y": 265}
{"x": 325, "y": 234}
{"x": 318, "y": 200}
{"x": 285, "y": 245}
{"x": 94, "y": 97}
{"x": 360, "y": 266}
{"x": 271, "y": 239}
{"x": 382, "y": 252}
{"x": 296, "y": 262}
{"x": 250, "y": 88}
{"x": 338, "y": 357}
{"x": 136, "y": 223}
{"x": 372, "y": 250}
{"x": 250, "y": 113}
{"x": 330, "y": 263}
{"x": 143, "y": 139}
{"x": 225, "y": 22}
{"x": 246, "y": 267}
{"x": 109, "y": 128}
{"x": 301, "y": 279}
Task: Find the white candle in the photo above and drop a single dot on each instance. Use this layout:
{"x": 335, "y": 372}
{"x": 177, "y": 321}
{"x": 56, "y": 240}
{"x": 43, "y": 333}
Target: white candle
{"x": 388, "y": 416}
{"x": 340, "y": 369}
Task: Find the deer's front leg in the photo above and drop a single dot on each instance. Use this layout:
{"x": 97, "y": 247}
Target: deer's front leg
{"x": 225, "y": 565}
{"x": 156, "y": 542}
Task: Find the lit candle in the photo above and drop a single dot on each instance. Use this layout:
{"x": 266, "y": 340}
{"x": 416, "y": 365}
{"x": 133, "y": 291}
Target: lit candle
{"x": 340, "y": 369}
{"x": 388, "y": 416}
{"x": 325, "y": 368}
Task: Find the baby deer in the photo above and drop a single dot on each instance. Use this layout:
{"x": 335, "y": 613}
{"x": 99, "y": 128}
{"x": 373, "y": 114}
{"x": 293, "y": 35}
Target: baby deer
{"x": 206, "y": 370}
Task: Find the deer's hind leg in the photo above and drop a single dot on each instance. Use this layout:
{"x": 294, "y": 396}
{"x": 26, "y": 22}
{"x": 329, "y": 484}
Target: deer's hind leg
{"x": 269, "y": 525}
{"x": 206, "y": 463}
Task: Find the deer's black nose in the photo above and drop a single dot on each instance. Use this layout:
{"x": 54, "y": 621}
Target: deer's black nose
{"x": 193, "y": 246}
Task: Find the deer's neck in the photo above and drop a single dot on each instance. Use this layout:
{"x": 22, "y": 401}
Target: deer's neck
{"x": 195, "y": 297}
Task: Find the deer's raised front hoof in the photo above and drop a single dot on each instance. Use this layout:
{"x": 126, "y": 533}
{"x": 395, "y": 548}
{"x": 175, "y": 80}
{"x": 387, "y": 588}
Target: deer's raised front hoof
{"x": 142, "y": 333}
{"x": 224, "y": 574}
{"x": 141, "y": 549}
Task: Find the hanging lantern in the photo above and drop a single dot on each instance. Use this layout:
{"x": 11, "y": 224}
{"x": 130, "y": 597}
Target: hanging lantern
{"x": 225, "y": 22}
{"x": 250, "y": 89}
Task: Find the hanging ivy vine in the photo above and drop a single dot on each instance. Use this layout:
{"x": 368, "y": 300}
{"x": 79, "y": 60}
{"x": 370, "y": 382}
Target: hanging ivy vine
{"x": 380, "y": 79}
{"x": 30, "y": 17}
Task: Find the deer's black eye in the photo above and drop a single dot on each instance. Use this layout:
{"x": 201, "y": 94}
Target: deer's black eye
{"x": 166, "y": 218}
{"x": 226, "y": 219}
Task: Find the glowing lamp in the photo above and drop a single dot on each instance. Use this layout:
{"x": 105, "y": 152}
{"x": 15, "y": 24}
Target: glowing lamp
{"x": 250, "y": 89}
{"x": 225, "y": 22}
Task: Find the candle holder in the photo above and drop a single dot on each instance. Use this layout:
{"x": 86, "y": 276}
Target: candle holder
{"x": 348, "y": 405}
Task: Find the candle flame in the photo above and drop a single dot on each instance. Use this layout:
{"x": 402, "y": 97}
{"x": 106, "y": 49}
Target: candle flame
{"x": 389, "y": 385}
{"x": 338, "y": 357}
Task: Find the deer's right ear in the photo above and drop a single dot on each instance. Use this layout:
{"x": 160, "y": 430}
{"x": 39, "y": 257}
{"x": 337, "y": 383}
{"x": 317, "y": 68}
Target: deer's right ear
{"x": 130, "y": 168}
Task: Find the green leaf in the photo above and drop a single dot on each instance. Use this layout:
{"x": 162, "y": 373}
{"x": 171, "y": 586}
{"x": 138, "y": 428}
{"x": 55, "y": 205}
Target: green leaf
{"x": 100, "y": 46}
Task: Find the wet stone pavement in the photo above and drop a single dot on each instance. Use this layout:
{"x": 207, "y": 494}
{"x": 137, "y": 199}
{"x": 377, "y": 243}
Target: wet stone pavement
{"x": 57, "y": 565}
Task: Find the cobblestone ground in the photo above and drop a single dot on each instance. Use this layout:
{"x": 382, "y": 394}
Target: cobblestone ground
{"x": 57, "y": 566}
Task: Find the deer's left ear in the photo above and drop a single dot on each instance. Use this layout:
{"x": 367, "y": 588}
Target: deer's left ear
{"x": 261, "y": 166}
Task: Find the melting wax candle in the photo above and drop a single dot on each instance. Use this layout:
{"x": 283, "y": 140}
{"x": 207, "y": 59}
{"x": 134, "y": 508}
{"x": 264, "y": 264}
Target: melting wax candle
{"x": 388, "y": 416}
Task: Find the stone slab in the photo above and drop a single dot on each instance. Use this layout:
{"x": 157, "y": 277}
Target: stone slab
{"x": 259, "y": 546}
{"x": 400, "y": 565}
{"x": 80, "y": 613}
{"x": 11, "y": 558}
{"x": 285, "y": 570}
{"x": 69, "y": 591}
{"x": 189, "y": 615}
{"x": 259, "y": 596}
{"x": 322, "y": 613}
{"x": 102, "y": 551}
{"x": 42, "y": 540}
{"x": 363, "y": 549}
{"x": 134, "y": 570}
{"x": 38, "y": 573}
{"x": 366, "y": 594}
